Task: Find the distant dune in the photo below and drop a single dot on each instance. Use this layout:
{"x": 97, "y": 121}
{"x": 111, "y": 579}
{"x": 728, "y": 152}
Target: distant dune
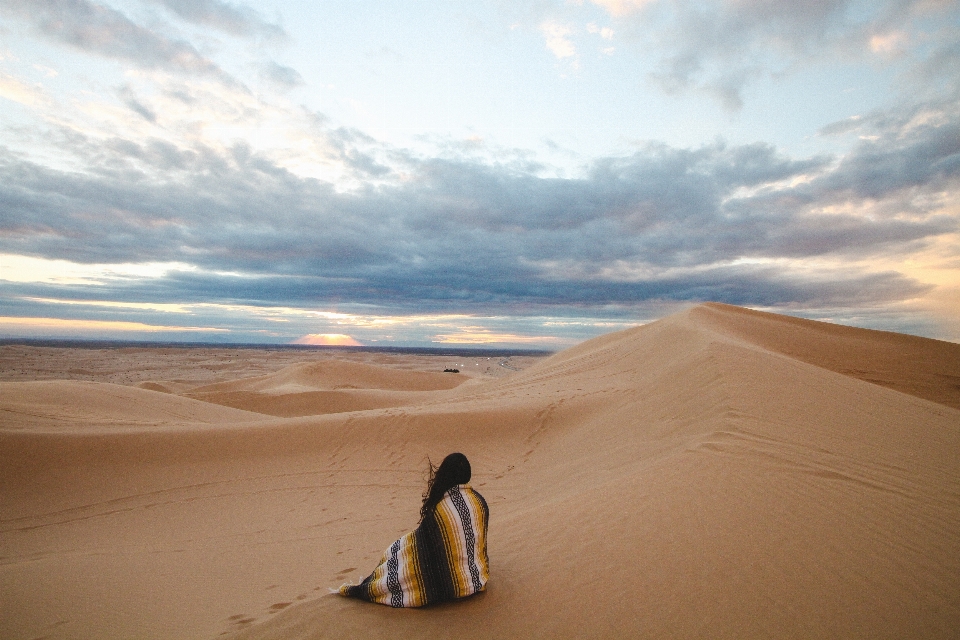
{"x": 721, "y": 473}
{"x": 71, "y": 407}
{"x": 336, "y": 374}
{"x": 327, "y": 387}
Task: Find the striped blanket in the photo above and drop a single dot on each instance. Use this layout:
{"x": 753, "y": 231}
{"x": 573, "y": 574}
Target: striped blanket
{"x": 442, "y": 559}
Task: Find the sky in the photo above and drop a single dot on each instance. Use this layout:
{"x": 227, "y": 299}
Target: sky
{"x": 515, "y": 173}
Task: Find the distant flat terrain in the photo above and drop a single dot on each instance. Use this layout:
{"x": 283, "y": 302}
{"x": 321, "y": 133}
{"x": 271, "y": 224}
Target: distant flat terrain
{"x": 183, "y": 367}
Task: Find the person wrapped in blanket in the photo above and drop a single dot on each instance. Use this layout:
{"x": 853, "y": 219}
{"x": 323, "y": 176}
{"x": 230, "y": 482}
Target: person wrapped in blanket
{"x": 445, "y": 557}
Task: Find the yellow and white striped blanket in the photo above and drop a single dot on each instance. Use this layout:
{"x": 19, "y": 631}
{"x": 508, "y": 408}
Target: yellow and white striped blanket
{"x": 442, "y": 559}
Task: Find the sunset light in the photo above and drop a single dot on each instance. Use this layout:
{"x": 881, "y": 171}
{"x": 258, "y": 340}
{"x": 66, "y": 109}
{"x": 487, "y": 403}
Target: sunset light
{"x": 328, "y": 340}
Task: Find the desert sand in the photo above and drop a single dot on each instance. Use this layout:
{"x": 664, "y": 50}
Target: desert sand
{"x": 720, "y": 473}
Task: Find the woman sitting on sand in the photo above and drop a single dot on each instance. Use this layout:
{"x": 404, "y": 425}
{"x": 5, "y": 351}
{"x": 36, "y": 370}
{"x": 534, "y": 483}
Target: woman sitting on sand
{"x": 445, "y": 557}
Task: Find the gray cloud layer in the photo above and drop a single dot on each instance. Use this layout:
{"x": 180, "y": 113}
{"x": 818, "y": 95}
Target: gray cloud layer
{"x": 459, "y": 235}
{"x": 721, "y": 222}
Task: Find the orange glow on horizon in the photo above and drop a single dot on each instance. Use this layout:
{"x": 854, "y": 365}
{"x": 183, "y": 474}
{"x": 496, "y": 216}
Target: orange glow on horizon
{"x": 479, "y": 336}
{"x": 328, "y": 340}
{"x": 94, "y": 325}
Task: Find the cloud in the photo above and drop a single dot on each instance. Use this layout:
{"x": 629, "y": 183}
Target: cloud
{"x": 253, "y": 204}
{"x": 129, "y": 98}
{"x": 732, "y": 223}
{"x": 622, "y": 7}
{"x": 15, "y": 90}
{"x": 56, "y": 271}
{"x": 942, "y": 65}
{"x": 33, "y": 326}
{"x": 890, "y": 43}
{"x": 840, "y": 127}
{"x": 604, "y": 32}
{"x": 721, "y": 46}
{"x": 176, "y": 192}
{"x": 555, "y": 36}
{"x": 235, "y": 19}
{"x": 98, "y": 29}
{"x": 281, "y": 76}
{"x": 327, "y": 340}
{"x": 910, "y": 150}
{"x": 482, "y": 335}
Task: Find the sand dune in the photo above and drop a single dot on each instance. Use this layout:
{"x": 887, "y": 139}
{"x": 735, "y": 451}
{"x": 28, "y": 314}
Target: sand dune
{"x": 72, "y": 405}
{"x": 310, "y": 403}
{"x": 719, "y": 473}
{"x": 925, "y": 368}
{"x": 338, "y": 374}
{"x": 333, "y": 386}
{"x": 155, "y": 386}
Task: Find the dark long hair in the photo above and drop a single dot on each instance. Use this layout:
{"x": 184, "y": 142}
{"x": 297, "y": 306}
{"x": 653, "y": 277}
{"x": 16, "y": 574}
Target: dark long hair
{"x": 454, "y": 470}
